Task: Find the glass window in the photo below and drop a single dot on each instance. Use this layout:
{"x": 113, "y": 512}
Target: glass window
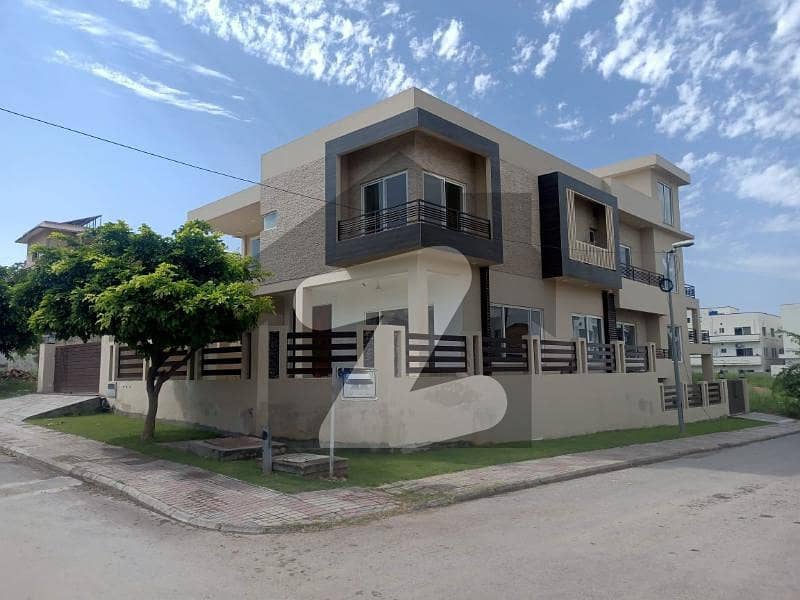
{"x": 395, "y": 190}
{"x": 744, "y": 352}
{"x": 588, "y": 327}
{"x": 432, "y": 189}
{"x": 447, "y": 193}
{"x": 271, "y": 220}
{"x": 625, "y": 255}
{"x": 742, "y": 331}
{"x": 665, "y": 196}
{"x": 628, "y": 334}
{"x": 371, "y": 196}
{"x": 513, "y": 322}
{"x": 255, "y": 247}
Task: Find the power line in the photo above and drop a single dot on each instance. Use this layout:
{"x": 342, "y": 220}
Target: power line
{"x": 231, "y": 176}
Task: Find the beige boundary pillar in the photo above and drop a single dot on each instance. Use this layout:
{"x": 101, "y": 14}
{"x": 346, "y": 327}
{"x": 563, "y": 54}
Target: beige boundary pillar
{"x": 47, "y": 368}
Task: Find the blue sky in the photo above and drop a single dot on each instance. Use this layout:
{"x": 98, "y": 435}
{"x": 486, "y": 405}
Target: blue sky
{"x": 713, "y": 86}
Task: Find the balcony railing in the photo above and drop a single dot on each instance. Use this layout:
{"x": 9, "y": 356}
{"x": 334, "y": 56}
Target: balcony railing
{"x": 699, "y": 337}
{"x": 689, "y": 290}
{"x": 640, "y": 275}
{"x": 416, "y": 211}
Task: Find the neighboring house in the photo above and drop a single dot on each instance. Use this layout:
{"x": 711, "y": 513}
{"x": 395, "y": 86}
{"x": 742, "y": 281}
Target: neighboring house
{"x": 790, "y": 321}
{"x": 40, "y": 235}
{"x": 742, "y": 342}
{"x": 560, "y": 293}
{"x": 65, "y": 366}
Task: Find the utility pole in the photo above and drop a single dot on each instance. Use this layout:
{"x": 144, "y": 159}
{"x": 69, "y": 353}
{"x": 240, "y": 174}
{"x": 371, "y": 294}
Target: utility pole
{"x": 672, "y": 272}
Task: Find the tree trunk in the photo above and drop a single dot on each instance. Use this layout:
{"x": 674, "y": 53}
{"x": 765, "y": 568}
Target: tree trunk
{"x": 152, "y": 404}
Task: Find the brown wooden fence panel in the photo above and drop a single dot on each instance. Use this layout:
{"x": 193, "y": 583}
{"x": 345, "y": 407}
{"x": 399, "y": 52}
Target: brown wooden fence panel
{"x": 130, "y": 366}
{"x": 715, "y": 393}
{"x": 180, "y": 372}
{"x": 695, "y": 394}
{"x": 636, "y": 359}
{"x": 224, "y": 359}
{"x": 502, "y": 355}
{"x": 601, "y": 358}
{"x": 558, "y": 357}
{"x": 313, "y": 352}
{"x": 670, "y": 397}
{"x": 436, "y": 353}
{"x": 77, "y": 368}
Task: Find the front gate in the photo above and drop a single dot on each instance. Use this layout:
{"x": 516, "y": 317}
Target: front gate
{"x": 77, "y": 369}
{"x": 736, "y": 396}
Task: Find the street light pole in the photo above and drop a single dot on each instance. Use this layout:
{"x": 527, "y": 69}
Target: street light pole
{"x": 672, "y": 273}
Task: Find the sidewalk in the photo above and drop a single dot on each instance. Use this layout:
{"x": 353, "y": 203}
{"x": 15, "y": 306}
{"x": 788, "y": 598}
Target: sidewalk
{"x": 204, "y": 499}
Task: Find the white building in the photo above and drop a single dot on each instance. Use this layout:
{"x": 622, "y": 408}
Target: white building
{"x": 742, "y": 342}
{"x": 790, "y": 321}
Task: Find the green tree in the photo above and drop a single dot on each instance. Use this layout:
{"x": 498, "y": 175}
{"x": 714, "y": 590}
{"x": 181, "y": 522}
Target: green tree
{"x": 15, "y": 333}
{"x": 159, "y": 295}
{"x": 787, "y": 386}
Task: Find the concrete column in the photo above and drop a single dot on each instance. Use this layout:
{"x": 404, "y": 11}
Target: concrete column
{"x": 472, "y": 365}
{"x": 581, "y": 353}
{"x": 47, "y": 368}
{"x": 418, "y": 298}
{"x": 477, "y": 341}
{"x": 707, "y": 362}
{"x": 107, "y": 361}
{"x": 303, "y": 298}
{"x": 704, "y": 392}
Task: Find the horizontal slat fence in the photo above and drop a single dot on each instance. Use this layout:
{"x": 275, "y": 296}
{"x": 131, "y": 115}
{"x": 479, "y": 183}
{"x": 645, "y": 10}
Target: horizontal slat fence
{"x": 670, "y": 397}
{"x": 601, "y": 358}
{"x": 663, "y": 353}
{"x": 180, "y": 372}
{"x": 636, "y": 359}
{"x": 715, "y": 393}
{"x": 312, "y": 352}
{"x": 558, "y": 357}
{"x": 503, "y": 355}
{"x": 694, "y": 394}
{"x": 436, "y": 353}
{"x": 130, "y": 367}
{"x": 222, "y": 360}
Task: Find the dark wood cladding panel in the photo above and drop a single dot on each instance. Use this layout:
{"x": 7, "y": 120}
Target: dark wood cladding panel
{"x": 550, "y": 226}
{"x": 77, "y": 368}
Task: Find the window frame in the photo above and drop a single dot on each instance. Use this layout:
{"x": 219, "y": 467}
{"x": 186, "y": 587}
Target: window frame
{"x": 629, "y": 253}
{"x": 382, "y": 181}
{"x": 586, "y": 318}
{"x": 443, "y": 180}
{"x": 621, "y": 325}
{"x": 660, "y": 187}
{"x": 264, "y": 220}
{"x": 530, "y": 309}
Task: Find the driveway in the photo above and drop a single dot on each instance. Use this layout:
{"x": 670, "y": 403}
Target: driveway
{"x": 720, "y": 525}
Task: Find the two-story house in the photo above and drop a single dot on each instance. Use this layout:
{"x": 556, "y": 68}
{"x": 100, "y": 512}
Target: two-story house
{"x": 479, "y": 253}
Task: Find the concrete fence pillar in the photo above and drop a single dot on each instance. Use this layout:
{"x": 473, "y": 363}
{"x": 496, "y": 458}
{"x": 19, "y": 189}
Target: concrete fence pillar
{"x": 662, "y": 397}
{"x": 704, "y": 392}
{"x": 47, "y": 368}
{"x": 651, "y": 357}
{"x": 619, "y": 356}
{"x": 534, "y": 343}
{"x": 581, "y": 352}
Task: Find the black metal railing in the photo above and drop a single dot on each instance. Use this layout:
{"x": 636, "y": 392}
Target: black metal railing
{"x": 416, "y": 211}
{"x": 436, "y": 353}
{"x": 640, "y": 275}
{"x": 505, "y": 355}
{"x": 689, "y": 290}
{"x": 313, "y": 352}
{"x": 670, "y": 397}
{"x": 699, "y": 337}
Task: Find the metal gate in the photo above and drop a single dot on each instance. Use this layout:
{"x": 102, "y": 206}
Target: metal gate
{"x": 77, "y": 369}
{"x": 736, "y": 395}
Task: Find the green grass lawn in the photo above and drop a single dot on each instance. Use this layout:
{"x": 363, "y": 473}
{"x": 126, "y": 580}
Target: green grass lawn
{"x": 367, "y": 469}
{"x": 16, "y": 387}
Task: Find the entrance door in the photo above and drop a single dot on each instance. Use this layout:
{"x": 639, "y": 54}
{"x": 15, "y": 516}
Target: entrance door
{"x": 77, "y": 369}
{"x": 736, "y": 403}
{"x": 322, "y": 323}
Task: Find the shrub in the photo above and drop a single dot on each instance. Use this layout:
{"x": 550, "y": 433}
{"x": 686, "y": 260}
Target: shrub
{"x": 787, "y": 385}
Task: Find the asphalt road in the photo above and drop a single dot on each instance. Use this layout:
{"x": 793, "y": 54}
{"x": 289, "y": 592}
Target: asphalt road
{"x": 723, "y": 525}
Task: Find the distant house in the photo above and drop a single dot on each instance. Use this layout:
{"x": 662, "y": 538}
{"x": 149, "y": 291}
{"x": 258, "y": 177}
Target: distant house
{"x": 790, "y": 321}
{"x": 40, "y": 235}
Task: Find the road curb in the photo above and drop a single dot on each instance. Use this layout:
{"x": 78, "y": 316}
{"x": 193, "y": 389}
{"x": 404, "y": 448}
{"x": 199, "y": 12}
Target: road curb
{"x": 426, "y": 500}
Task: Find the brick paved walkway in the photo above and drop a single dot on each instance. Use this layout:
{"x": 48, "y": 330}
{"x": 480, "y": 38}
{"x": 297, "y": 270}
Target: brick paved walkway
{"x": 202, "y": 498}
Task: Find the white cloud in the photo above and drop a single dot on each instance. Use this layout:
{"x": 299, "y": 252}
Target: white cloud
{"x": 643, "y": 98}
{"x": 763, "y": 180}
{"x": 100, "y": 27}
{"x": 482, "y": 83}
{"x": 690, "y": 162}
{"x": 787, "y": 18}
{"x": 562, "y": 10}
{"x": 588, "y": 44}
{"x": 782, "y": 223}
{"x": 690, "y": 114}
{"x": 144, "y": 87}
{"x": 390, "y": 8}
{"x": 522, "y": 56}
{"x": 141, "y": 4}
{"x": 548, "y": 51}
{"x": 446, "y": 43}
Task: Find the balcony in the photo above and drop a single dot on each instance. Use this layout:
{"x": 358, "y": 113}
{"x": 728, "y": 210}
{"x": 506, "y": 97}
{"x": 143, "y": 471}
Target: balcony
{"x": 688, "y": 290}
{"x": 699, "y": 337}
{"x": 416, "y": 211}
{"x": 640, "y": 275}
